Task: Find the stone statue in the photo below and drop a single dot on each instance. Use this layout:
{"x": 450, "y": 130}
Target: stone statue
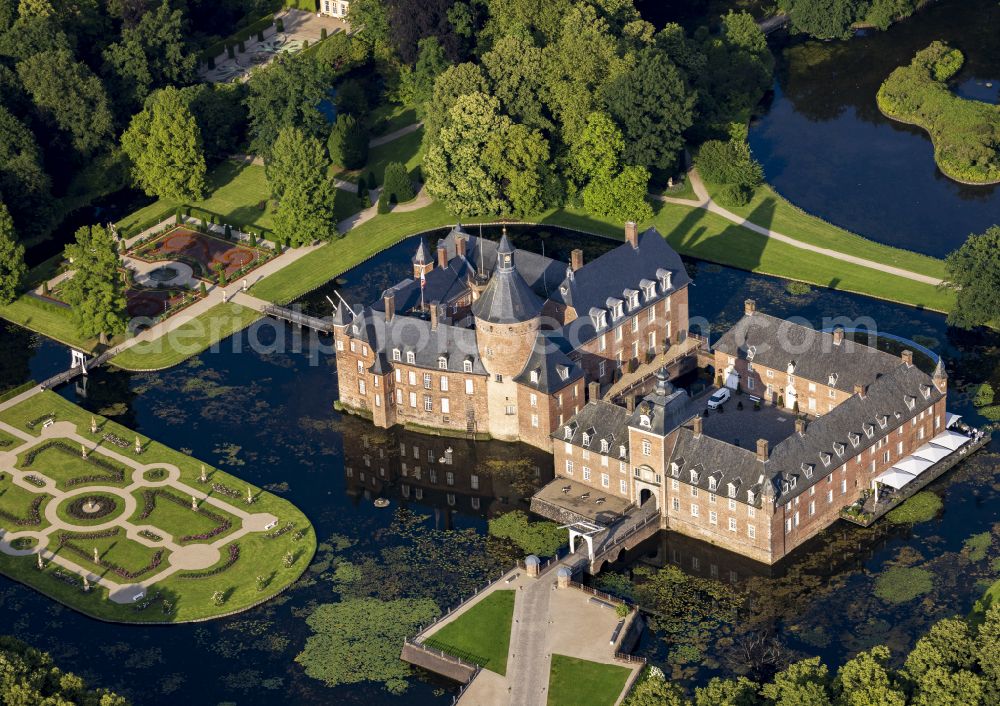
{"x": 41, "y": 564}
{"x": 97, "y": 556}
{"x": 86, "y": 584}
{"x": 203, "y": 478}
{"x": 194, "y": 503}
{"x": 138, "y": 445}
{"x": 249, "y": 496}
{"x": 93, "y": 425}
{"x": 83, "y": 451}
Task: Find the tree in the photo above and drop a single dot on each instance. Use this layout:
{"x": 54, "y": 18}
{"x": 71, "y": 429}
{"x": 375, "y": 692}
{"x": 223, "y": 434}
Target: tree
{"x": 164, "y": 144}
{"x": 297, "y": 172}
{"x": 455, "y": 82}
{"x": 24, "y": 185}
{"x": 286, "y": 95}
{"x": 221, "y": 115}
{"x": 655, "y": 690}
{"x": 413, "y": 20}
{"x": 542, "y": 538}
{"x": 71, "y": 96}
{"x": 865, "y": 681}
{"x": 418, "y": 84}
{"x": 483, "y": 163}
{"x": 31, "y": 677}
{"x": 526, "y": 20}
{"x": 988, "y": 649}
{"x": 727, "y": 692}
{"x": 597, "y": 153}
{"x": 652, "y": 105}
{"x": 974, "y": 273}
{"x": 883, "y": 13}
{"x": 372, "y": 15}
{"x": 12, "y": 267}
{"x": 517, "y": 70}
{"x": 948, "y": 644}
{"x": 151, "y": 55}
{"x": 396, "y": 183}
{"x": 96, "y": 292}
{"x": 348, "y": 142}
{"x": 825, "y": 19}
{"x": 358, "y": 640}
{"x": 803, "y": 683}
{"x": 621, "y": 197}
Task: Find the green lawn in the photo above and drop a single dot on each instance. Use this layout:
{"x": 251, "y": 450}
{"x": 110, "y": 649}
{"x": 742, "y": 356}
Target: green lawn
{"x": 118, "y": 549}
{"x": 180, "y": 520}
{"x": 48, "y": 319}
{"x": 389, "y": 117}
{"x": 17, "y": 501}
{"x": 191, "y": 598}
{"x": 407, "y": 149}
{"x": 63, "y": 463}
{"x": 9, "y": 442}
{"x": 481, "y": 634}
{"x": 189, "y": 339}
{"x": 579, "y": 682}
{"x": 771, "y": 210}
{"x": 235, "y": 192}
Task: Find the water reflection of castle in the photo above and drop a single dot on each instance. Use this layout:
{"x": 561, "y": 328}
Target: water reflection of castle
{"x": 472, "y": 478}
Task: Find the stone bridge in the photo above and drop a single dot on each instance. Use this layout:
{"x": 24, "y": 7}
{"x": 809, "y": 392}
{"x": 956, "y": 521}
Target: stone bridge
{"x": 592, "y": 546}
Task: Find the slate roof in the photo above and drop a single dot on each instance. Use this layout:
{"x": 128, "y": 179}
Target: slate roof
{"x": 507, "y": 298}
{"x": 800, "y": 461}
{"x": 411, "y": 333}
{"x": 778, "y": 342}
{"x": 551, "y": 364}
{"x": 599, "y": 420}
{"x": 666, "y": 409}
{"x": 423, "y": 254}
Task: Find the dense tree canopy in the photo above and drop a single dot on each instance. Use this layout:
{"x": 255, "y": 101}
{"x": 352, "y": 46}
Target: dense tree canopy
{"x": 296, "y": 170}
{"x": 29, "y": 676}
{"x": 96, "y": 291}
{"x": 348, "y": 142}
{"x": 286, "y": 95}
{"x": 24, "y": 185}
{"x": 974, "y": 274}
{"x": 164, "y": 144}
{"x": 12, "y": 268}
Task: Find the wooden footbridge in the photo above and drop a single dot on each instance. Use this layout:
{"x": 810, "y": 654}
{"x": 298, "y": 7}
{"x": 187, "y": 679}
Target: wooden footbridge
{"x": 298, "y": 318}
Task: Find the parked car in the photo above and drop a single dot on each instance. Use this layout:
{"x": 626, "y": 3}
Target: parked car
{"x": 719, "y": 397}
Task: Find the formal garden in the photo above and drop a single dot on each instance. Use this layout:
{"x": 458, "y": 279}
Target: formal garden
{"x": 124, "y": 529}
{"x": 210, "y": 258}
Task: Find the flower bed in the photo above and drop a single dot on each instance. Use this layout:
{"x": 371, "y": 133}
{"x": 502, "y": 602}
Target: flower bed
{"x": 116, "y": 440}
{"x": 149, "y": 504}
{"x": 35, "y": 480}
{"x": 280, "y": 531}
{"x": 151, "y": 536}
{"x": 116, "y": 474}
{"x": 226, "y": 490}
{"x": 66, "y": 541}
{"x": 40, "y": 420}
{"x": 34, "y": 517}
{"x": 106, "y": 505}
{"x": 234, "y": 556}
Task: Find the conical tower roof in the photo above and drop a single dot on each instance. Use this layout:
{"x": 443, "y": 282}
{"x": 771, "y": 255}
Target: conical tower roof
{"x": 507, "y": 299}
{"x": 939, "y": 372}
{"x": 423, "y": 255}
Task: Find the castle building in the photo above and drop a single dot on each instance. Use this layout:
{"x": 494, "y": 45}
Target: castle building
{"x": 488, "y": 339}
{"x": 762, "y": 481}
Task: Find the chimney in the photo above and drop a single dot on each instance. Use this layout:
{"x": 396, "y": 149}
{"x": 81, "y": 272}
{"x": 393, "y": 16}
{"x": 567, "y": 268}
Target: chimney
{"x": 576, "y": 259}
{"x": 434, "y": 316}
{"x": 460, "y": 242}
{"x": 800, "y": 427}
{"x": 593, "y": 391}
{"x": 442, "y": 256}
{"x": 762, "y": 450}
{"x": 390, "y": 305}
{"x": 907, "y": 357}
{"x": 749, "y": 306}
{"x": 696, "y": 425}
{"x": 838, "y": 336}
{"x": 632, "y": 234}
{"x": 859, "y": 390}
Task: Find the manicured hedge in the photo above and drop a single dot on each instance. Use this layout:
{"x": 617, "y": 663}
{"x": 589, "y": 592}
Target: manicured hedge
{"x": 243, "y": 35}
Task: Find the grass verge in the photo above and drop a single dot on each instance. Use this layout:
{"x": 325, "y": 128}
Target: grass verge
{"x": 579, "y": 682}
{"x": 481, "y": 634}
{"x": 195, "y": 335}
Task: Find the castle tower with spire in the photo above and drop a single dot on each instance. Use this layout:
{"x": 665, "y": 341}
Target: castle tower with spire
{"x": 507, "y": 316}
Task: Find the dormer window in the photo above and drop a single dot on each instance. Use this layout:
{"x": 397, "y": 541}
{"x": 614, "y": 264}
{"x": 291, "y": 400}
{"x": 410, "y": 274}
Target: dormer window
{"x": 694, "y": 476}
{"x": 869, "y": 429}
{"x": 567, "y": 432}
{"x": 785, "y": 487}
{"x": 883, "y": 421}
{"x": 839, "y": 448}
{"x": 621, "y": 451}
{"x": 604, "y": 446}
{"x": 925, "y": 390}
{"x": 751, "y": 352}
{"x": 648, "y": 290}
{"x": 442, "y": 363}
{"x": 586, "y": 439}
{"x": 666, "y": 279}
{"x": 410, "y": 357}
{"x": 644, "y": 421}
{"x": 855, "y": 438}
{"x": 826, "y": 457}
{"x": 712, "y": 483}
{"x": 791, "y": 368}
{"x": 617, "y": 311}
{"x": 599, "y": 317}
{"x": 833, "y": 380}
{"x": 732, "y": 490}
{"x": 675, "y": 469}
{"x": 633, "y": 298}
{"x": 807, "y": 468}
{"x": 467, "y": 366}
{"x": 534, "y": 376}
{"x": 795, "y": 480}
{"x": 911, "y": 402}
{"x": 395, "y": 354}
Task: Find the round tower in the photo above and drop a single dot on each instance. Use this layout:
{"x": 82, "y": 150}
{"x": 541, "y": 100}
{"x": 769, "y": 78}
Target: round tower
{"x": 507, "y": 315}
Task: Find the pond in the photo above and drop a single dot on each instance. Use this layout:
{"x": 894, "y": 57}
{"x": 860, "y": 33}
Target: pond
{"x": 826, "y": 147}
{"x": 261, "y": 407}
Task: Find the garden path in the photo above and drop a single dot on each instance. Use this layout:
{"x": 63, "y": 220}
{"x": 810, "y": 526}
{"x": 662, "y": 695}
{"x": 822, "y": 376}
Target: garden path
{"x": 706, "y": 202}
{"x": 189, "y": 557}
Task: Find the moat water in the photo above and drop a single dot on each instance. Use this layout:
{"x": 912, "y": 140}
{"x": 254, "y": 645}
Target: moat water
{"x": 826, "y": 147}
{"x": 268, "y": 415}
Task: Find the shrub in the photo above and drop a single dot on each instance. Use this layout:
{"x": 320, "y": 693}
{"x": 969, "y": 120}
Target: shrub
{"x": 383, "y": 202}
{"x": 984, "y": 395}
{"x": 348, "y": 142}
{"x": 797, "y": 288}
{"x": 734, "y": 195}
{"x": 396, "y": 182}
{"x": 279, "y": 25}
{"x": 372, "y": 181}
{"x": 543, "y": 538}
{"x": 901, "y": 584}
{"x": 322, "y": 33}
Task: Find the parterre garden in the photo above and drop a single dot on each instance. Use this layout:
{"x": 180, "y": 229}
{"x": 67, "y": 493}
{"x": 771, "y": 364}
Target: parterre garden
{"x": 103, "y": 503}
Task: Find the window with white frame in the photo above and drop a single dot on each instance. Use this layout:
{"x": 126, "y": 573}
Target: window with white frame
{"x": 410, "y": 357}
{"x": 751, "y": 532}
{"x": 413, "y": 399}
{"x": 428, "y": 403}
{"x": 732, "y": 524}
{"x": 676, "y": 504}
{"x": 713, "y": 517}
{"x": 445, "y": 406}
{"x": 605, "y": 480}
{"x": 623, "y": 486}
{"x": 586, "y": 473}
{"x": 468, "y": 386}
{"x": 647, "y": 447}
{"x": 694, "y": 510}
